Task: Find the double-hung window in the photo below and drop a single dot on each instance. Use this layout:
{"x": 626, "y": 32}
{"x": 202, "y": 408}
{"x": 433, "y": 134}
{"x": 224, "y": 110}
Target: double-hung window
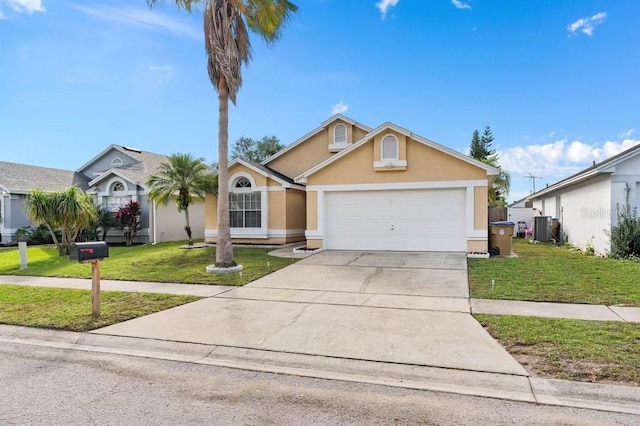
{"x": 245, "y": 206}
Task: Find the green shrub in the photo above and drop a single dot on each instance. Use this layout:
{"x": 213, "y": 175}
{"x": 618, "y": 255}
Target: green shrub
{"x": 39, "y": 235}
{"x": 625, "y": 236}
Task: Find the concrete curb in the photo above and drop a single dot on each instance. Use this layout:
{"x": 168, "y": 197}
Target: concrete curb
{"x": 620, "y": 399}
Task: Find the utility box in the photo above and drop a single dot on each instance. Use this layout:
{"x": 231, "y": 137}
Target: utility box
{"x": 500, "y": 234}
{"x": 555, "y": 230}
{"x": 90, "y": 251}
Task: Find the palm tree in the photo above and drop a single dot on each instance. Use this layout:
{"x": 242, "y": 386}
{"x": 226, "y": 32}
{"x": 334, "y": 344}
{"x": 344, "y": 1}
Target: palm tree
{"x": 105, "y": 221}
{"x": 70, "y": 211}
{"x": 183, "y": 177}
{"x": 226, "y": 33}
{"x": 499, "y": 190}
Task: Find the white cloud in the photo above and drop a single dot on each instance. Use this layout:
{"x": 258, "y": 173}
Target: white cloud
{"x": 142, "y": 18}
{"x": 627, "y": 134}
{"x": 21, "y": 6}
{"x": 587, "y": 25}
{"x": 460, "y": 5}
{"x": 385, "y": 5}
{"x": 559, "y": 159}
{"x": 26, "y": 6}
{"x": 339, "y": 108}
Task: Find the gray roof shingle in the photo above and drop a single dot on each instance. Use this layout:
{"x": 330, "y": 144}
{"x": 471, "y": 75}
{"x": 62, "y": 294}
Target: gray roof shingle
{"x": 23, "y": 178}
{"x": 141, "y": 171}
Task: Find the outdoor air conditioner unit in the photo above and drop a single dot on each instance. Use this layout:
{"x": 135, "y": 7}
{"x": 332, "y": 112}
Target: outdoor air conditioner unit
{"x": 542, "y": 228}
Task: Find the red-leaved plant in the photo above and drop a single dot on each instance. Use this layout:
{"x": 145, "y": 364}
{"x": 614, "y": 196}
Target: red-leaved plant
{"x": 128, "y": 219}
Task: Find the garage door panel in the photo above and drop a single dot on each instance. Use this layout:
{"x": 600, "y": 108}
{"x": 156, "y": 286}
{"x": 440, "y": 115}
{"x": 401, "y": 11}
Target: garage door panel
{"x": 396, "y": 220}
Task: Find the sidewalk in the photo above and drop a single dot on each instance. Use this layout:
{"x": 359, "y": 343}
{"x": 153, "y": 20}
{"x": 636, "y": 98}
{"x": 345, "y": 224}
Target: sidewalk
{"x": 114, "y": 285}
{"x": 555, "y": 310}
{"x": 477, "y": 306}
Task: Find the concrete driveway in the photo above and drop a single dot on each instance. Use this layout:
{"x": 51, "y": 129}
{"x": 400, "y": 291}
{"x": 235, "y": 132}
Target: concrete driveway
{"x": 404, "y": 308}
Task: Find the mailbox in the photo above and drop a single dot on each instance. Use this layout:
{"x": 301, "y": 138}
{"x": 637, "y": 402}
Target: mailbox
{"x": 84, "y": 252}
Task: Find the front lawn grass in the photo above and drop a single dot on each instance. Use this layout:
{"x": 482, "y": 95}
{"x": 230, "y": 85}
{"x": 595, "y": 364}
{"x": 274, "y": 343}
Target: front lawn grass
{"x": 544, "y": 272}
{"x": 70, "y": 309}
{"x": 163, "y": 262}
{"x": 588, "y": 351}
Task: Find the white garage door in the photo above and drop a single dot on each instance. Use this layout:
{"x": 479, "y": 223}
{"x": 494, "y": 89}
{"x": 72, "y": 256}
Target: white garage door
{"x": 409, "y": 220}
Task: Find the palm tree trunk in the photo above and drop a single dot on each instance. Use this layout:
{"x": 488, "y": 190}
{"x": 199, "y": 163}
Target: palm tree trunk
{"x": 187, "y": 227}
{"x": 224, "y": 249}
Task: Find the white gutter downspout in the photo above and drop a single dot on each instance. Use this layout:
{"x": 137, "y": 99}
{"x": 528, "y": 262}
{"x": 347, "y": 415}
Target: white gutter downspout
{"x": 153, "y": 221}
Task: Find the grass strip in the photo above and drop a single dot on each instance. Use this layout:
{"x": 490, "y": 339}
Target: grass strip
{"x": 162, "y": 262}
{"x": 588, "y": 351}
{"x": 544, "y": 272}
{"x": 70, "y": 309}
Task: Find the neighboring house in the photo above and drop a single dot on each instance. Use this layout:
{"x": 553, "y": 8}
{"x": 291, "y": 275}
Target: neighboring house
{"x": 114, "y": 177}
{"x": 521, "y": 211}
{"x": 346, "y": 186}
{"x": 17, "y": 180}
{"x": 585, "y": 203}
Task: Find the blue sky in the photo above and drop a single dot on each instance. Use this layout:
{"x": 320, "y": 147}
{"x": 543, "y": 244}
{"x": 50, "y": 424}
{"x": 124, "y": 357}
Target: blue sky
{"x": 557, "y": 80}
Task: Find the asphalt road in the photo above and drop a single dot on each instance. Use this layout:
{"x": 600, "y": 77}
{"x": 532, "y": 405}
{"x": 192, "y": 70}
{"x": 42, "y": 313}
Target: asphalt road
{"x": 47, "y": 386}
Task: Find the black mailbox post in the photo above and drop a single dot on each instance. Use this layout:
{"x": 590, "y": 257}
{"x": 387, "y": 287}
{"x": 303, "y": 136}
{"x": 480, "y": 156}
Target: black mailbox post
{"x": 87, "y": 252}
{"x": 91, "y": 252}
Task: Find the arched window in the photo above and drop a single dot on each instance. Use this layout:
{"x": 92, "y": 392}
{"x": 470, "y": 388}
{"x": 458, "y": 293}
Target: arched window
{"x": 116, "y": 161}
{"x": 242, "y": 182}
{"x": 117, "y": 196}
{"x": 389, "y": 148}
{"x": 340, "y": 134}
{"x": 117, "y": 186}
{"x": 245, "y": 206}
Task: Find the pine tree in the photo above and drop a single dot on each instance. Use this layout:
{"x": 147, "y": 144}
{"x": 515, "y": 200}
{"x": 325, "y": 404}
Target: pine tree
{"x": 476, "y": 150}
{"x": 481, "y": 146}
{"x": 487, "y": 140}
{"x": 481, "y": 150}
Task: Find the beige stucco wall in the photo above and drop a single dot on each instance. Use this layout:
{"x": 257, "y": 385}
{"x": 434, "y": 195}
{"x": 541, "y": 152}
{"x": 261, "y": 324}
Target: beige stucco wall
{"x": 480, "y": 213}
{"x": 277, "y": 210}
{"x": 477, "y": 246}
{"x": 312, "y": 210}
{"x": 259, "y": 178}
{"x": 313, "y": 151}
{"x": 423, "y": 164}
{"x": 211, "y": 212}
{"x": 170, "y": 223}
{"x": 296, "y": 209}
{"x": 304, "y": 156}
{"x": 358, "y": 134}
{"x": 314, "y": 244}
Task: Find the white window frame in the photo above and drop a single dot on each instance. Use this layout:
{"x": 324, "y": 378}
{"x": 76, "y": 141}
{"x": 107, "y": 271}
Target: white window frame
{"x": 389, "y": 162}
{"x": 393, "y": 140}
{"x": 261, "y": 232}
{"x": 120, "y": 198}
{"x": 117, "y": 161}
{"x": 338, "y": 145}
